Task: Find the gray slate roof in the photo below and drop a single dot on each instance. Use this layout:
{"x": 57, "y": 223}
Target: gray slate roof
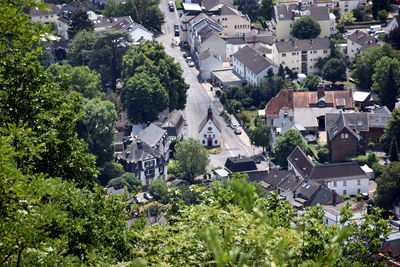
{"x": 152, "y": 134}
{"x": 288, "y": 12}
{"x": 301, "y": 162}
{"x": 205, "y": 120}
{"x": 253, "y": 60}
{"x": 114, "y": 23}
{"x": 362, "y": 38}
{"x": 240, "y": 164}
{"x": 357, "y": 121}
{"x": 302, "y": 45}
{"x": 210, "y": 4}
{"x": 340, "y": 124}
{"x": 54, "y": 9}
{"x": 135, "y": 153}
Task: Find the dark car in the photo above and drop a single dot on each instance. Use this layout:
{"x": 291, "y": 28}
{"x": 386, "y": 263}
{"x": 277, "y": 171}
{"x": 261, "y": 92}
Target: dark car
{"x": 176, "y": 27}
{"x": 176, "y": 32}
{"x": 171, "y": 6}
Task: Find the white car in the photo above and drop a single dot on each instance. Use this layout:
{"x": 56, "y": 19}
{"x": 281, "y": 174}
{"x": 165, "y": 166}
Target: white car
{"x": 190, "y": 63}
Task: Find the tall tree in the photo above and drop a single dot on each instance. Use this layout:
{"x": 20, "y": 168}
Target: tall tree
{"x": 80, "y": 79}
{"x": 281, "y": 71}
{"x": 394, "y": 150}
{"x": 388, "y": 186}
{"x": 306, "y": 28}
{"x": 285, "y": 144}
{"x": 261, "y": 136}
{"x": 334, "y": 70}
{"x": 386, "y": 80}
{"x": 266, "y": 9}
{"x": 192, "y": 157}
{"x": 97, "y": 128}
{"x": 107, "y": 54}
{"x": 81, "y": 48}
{"x": 378, "y": 5}
{"x": 153, "y": 18}
{"x": 311, "y": 82}
{"x": 392, "y": 130}
{"x": 249, "y": 7}
{"x": 79, "y": 22}
{"x": 144, "y": 97}
{"x": 112, "y": 9}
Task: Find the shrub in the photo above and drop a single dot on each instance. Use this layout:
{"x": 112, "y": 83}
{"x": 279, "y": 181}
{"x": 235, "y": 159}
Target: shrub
{"x": 378, "y": 169}
{"x": 323, "y": 154}
{"x": 361, "y": 160}
{"x": 371, "y": 145}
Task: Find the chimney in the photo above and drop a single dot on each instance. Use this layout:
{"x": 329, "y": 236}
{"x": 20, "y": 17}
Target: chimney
{"x": 311, "y": 41}
{"x": 320, "y": 90}
{"x": 209, "y": 113}
{"x": 139, "y": 144}
{"x": 293, "y": 12}
{"x": 127, "y": 142}
{"x": 299, "y": 5}
{"x": 334, "y": 197}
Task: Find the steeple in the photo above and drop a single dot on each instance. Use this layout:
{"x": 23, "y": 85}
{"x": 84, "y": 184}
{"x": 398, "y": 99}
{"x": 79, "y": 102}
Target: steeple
{"x": 209, "y": 113}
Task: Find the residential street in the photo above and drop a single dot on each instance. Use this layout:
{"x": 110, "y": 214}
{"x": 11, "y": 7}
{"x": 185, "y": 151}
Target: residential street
{"x": 199, "y": 99}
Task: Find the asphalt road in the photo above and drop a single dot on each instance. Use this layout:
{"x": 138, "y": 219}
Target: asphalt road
{"x": 199, "y": 99}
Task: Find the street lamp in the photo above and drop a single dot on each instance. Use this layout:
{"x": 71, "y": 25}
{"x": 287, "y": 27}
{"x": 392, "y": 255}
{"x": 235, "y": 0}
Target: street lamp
{"x": 253, "y": 144}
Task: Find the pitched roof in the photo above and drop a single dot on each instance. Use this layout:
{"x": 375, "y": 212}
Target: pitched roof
{"x": 307, "y": 189}
{"x": 256, "y": 176}
{"x": 210, "y": 4}
{"x": 338, "y": 171}
{"x": 301, "y": 162}
{"x": 275, "y": 176}
{"x": 357, "y": 121}
{"x": 152, "y": 134}
{"x": 253, "y": 60}
{"x": 302, "y": 45}
{"x": 289, "y": 12}
{"x": 290, "y": 183}
{"x": 138, "y": 151}
{"x": 174, "y": 122}
{"x": 362, "y": 38}
{"x": 240, "y": 164}
{"x": 54, "y": 9}
{"x": 283, "y": 100}
{"x": 319, "y": 12}
{"x": 341, "y": 124}
{"x": 378, "y": 118}
{"x": 207, "y": 118}
{"x": 342, "y": 99}
{"x": 111, "y": 22}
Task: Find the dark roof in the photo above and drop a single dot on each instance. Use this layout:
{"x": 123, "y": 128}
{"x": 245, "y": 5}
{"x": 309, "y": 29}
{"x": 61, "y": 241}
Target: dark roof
{"x": 152, "y": 134}
{"x": 357, "y": 121}
{"x": 174, "y": 123}
{"x": 54, "y": 9}
{"x": 114, "y": 23}
{"x": 207, "y": 118}
{"x": 324, "y": 196}
{"x": 301, "y": 162}
{"x": 302, "y": 45}
{"x": 210, "y": 4}
{"x": 341, "y": 124}
{"x": 338, "y": 171}
{"x": 256, "y": 176}
{"x": 240, "y": 164}
{"x": 307, "y": 189}
{"x": 378, "y": 118}
{"x": 319, "y": 12}
{"x": 362, "y": 38}
{"x": 138, "y": 151}
{"x": 290, "y": 183}
{"x": 275, "y": 176}
{"x": 288, "y": 12}
{"x": 253, "y": 60}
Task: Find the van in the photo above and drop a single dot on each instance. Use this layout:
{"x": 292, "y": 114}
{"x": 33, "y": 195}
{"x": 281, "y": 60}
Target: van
{"x": 375, "y": 28}
{"x": 377, "y": 33}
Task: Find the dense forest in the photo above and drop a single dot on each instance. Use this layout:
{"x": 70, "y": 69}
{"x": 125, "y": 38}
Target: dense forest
{"x": 54, "y": 213}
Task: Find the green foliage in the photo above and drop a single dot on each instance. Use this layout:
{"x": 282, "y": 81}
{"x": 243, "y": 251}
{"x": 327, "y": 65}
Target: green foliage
{"x": 305, "y": 28}
{"x": 394, "y": 150}
{"x": 281, "y": 71}
{"x": 382, "y": 15}
{"x": 386, "y": 80}
{"x": 79, "y": 22}
{"x": 357, "y": 14}
{"x": 266, "y": 9}
{"x": 80, "y": 51}
{"x": 361, "y": 160}
{"x": 285, "y": 144}
{"x": 378, "y": 5}
{"x": 378, "y": 169}
{"x": 159, "y": 189}
{"x": 109, "y": 171}
{"x": 249, "y": 7}
{"x": 347, "y": 19}
{"x": 144, "y": 97}
{"x": 311, "y": 82}
{"x": 323, "y": 155}
{"x": 128, "y": 181}
{"x": 334, "y": 70}
{"x": 371, "y": 159}
{"x": 388, "y": 186}
{"x": 192, "y": 157}
{"x": 392, "y": 130}
{"x": 80, "y": 79}
{"x": 261, "y": 136}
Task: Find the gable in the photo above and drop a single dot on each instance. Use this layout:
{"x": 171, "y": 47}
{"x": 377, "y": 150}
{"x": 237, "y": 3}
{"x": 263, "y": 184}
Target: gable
{"x": 343, "y": 135}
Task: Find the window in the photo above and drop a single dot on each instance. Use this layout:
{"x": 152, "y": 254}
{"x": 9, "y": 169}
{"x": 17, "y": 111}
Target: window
{"x": 346, "y": 135}
{"x": 358, "y": 182}
{"x": 204, "y": 141}
{"x": 294, "y": 53}
{"x": 284, "y": 55}
{"x": 344, "y": 192}
{"x": 150, "y": 173}
{"x": 149, "y": 164}
{"x": 161, "y": 170}
{"x": 326, "y": 220}
{"x": 215, "y": 142}
{"x": 209, "y": 128}
{"x": 344, "y": 183}
{"x": 205, "y": 136}
{"x": 358, "y": 191}
{"x": 334, "y": 184}
{"x": 315, "y": 51}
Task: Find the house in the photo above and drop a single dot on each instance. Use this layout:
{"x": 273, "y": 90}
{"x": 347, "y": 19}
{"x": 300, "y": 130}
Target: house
{"x": 46, "y": 17}
{"x": 174, "y": 124}
{"x": 252, "y": 66}
{"x": 391, "y": 247}
{"x": 393, "y": 24}
{"x": 65, "y": 14}
{"x": 283, "y": 100}
{"x": 210, "y": 130}
{"x": 339, "y": 7}
{"x": 142, "y": 160}
{"x": 212, "y": 6}
{"x": 225, "y": 78}
{"x": 102, "y": 23}
{"x": 157, "y": 138}
{"x": 359, "y": 41}
{"x": 208, "y": 62}
{"x": 345, "y": 178}
{"x": 301, "y": 55}
{"x": 137, "y": 31}
{"x": 232, "y": 21}
{"x": 240, "y": 163}
{"x": 332, "y": 212}
{"x": 287, "y": 15}
{"x": 261, "y": 41}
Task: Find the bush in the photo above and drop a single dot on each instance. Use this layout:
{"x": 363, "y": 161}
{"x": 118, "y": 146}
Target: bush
{"x": 110, "y": 171}
{"x": 127, "y": 180}
{"x": 371, "y": 145}
{"x": 361, "y": 160}
{"x": 371, "y": 159}
{"x": 178, "y": 5}
{"x": 323, "y": 154}
{"x": 159, "y": 189}
{"x": 378, "y": 169}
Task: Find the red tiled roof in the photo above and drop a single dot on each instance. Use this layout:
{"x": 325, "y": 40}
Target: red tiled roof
{"x": 283, "y": 100}
{"x": 332, "y": 98}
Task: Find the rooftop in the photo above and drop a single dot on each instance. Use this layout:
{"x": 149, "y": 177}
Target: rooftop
{"x": 253, "y": 60}
{"x": 152, "y": 134}
{"x": 362, "y": 38}
{"x": 240, "y": 164}
{"x": 355, "y": 207}
{"x": 302, "y": 45}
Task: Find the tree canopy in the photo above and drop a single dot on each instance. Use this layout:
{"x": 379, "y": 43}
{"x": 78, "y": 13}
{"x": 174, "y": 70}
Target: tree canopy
{"x": 334, "y": 70}
{"x": 388, "y": 186}
{"x": 79, "y": 22}
{"x": 306, "y": 28}
{"x": 311, "y": 82}
{"x": 392, "y": 130}
{"x": 285, "y": 144}
{"x": 128, "y": 181}
{"x": 261, "y": 136}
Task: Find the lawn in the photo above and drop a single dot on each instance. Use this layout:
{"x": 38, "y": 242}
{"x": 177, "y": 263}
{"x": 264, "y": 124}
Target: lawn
{"x": 178, "y": 5}
{"x": 250, "y": 115}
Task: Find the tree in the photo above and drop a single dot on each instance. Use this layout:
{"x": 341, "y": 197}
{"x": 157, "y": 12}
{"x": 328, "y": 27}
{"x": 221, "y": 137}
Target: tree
{"x": 153, "y": 18}
{"x": 311, "y": 82}
{"x": 285, "y": 144}
{"x": 392, "y": 130}
{"x": 386, "y": 80}
{"x": 109, "y": 171}
{"x": 159, "y": 190}
{"x": 97, "y": 128}
{"x": 112, "y": 9}
{"x": 382, "y": 15}
{"x": 249, "y": 7}
{"x": 363, "y": 66}
{"x": 306, "y": 28}
{"x": 81, "y": 47}
{"x": 144, "y": 97}
{"x": 281, "y": 72}
{"x": 334, "y": 70}
{"x": 394, "y": 38}
{"x": 192, "y": 157}
{"x": 378, "y": 5}
{"x": 266, "y": 8}
{"x": 80, "y": 79}
{"x": 127, "y": 180}
{"x": 388, "y": 186}
{"x": 79, "y": 22}
{"x": 346, "y": 19}
{"x": 261, "y": 136}
{"x": 357, "y": 14}
{"x": 106, "y": 56}
{"x": 394, "y": 150}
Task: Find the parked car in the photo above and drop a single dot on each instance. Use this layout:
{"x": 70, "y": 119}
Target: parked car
{"x": 171, "y": 6}
{"x": 191, "y": 63}
{"x": 148, "y": 196}
{"x": 176, "y": 32}
{"x": 237, "y": 131}
{"x": 233, "y": 126}
{"x": 374, "y": 28}
{"x": 176, "y": 27}
{"x": 188, "y": 59}
{"x": 185, "y": 55}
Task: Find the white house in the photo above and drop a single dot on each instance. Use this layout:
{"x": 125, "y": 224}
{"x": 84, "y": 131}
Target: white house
{"x": 343, "y": 6}
{"x": 210, "y": 130}
{"x": 38, "y": 15}
{"x": 359, "y": 41}
{"x": 232, "y": 21}
{"x": 332, "y": 212}
{"x": 251, "y": 65}
{"x": 301, "y": 55}
{"x": 157, "y": 138}
{"x": 393, "y": 24}
{"x": 138, "y": 32}
{"x": 345, "y": 178}
{"x": 209, "y": 62}
{"x": 101, "y": 23}
{"x": 65, "y": 14}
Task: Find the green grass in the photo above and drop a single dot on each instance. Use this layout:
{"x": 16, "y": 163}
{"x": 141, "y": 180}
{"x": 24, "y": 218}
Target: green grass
{"x": 314, "y": 151}
{"x": 250, "y": 115}
{"x": 178, "y": 5}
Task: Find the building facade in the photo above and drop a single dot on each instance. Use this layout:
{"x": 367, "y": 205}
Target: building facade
{"x": 210, "y": 131}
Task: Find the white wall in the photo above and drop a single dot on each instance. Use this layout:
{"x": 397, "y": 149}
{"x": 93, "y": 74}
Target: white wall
{"x": 139, "y": 33}
{"x": 351, "y": 186}
{"x": 213, "y": 133}
{"x": 352, "y": 49}
{"x": 332, "y": 219}
{"x": 208, "y": 65}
